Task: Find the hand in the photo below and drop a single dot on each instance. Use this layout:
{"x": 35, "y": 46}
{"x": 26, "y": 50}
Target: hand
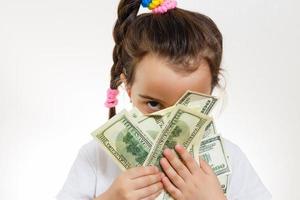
{"x": 135, "y": 184}
{"x": 186, "y": 180}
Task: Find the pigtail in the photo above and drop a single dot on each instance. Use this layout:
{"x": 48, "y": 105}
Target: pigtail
{"x": 127, "y": 12}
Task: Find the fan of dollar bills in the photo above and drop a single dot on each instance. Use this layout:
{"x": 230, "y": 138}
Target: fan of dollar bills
{"x": 133, "y": 139}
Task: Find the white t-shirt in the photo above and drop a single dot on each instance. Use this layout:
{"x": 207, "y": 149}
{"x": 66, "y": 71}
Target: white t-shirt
{"x": 94, "y": 171}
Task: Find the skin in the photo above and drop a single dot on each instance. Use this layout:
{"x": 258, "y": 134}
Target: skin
{"x": 158, "y": 84}
{"x": 135, "y": 184}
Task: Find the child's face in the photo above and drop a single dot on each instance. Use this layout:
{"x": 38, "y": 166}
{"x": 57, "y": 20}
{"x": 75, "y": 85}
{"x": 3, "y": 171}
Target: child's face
{"x": 157, "y": 85}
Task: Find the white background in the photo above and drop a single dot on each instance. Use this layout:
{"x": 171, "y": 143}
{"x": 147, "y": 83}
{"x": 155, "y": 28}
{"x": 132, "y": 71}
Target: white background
{"x": 55, "y": 58}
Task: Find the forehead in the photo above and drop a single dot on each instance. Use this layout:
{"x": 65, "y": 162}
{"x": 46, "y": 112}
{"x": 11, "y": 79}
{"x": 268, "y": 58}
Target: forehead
{"x": 157, "y": 78}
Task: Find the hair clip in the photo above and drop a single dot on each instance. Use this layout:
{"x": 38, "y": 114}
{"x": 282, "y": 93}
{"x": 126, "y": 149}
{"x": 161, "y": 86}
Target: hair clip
{"x": 159, "y": 6}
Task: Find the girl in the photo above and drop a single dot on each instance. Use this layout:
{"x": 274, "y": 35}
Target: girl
{"x": 158, "y": 56}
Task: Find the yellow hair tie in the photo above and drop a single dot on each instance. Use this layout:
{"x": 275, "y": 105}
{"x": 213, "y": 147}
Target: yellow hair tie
{"x": 155, "y": 4}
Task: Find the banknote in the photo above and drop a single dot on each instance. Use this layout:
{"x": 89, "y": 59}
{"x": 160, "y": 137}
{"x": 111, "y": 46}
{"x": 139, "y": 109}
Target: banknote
{"x": 135, "y": 113}
{"x": 210, "y": 130}
{"x": 204, "y": 103}
{"x": 121, "y": 138}
{"x": 151, "y": 125}
{"x": 212, "y": 151}
{"x": 183, "y": 126}
{"x": 134, "y": 139}
{"x": 163, "y": 112}
{"x": 201, "y": 102}
{"x": 160, "y": 118}
{"x": 151, "y": 122}
{"x": 224, "y": 181}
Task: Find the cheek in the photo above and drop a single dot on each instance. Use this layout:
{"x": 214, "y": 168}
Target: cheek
{"x": 137, "y": 102}
{"x": 141, "y": 106}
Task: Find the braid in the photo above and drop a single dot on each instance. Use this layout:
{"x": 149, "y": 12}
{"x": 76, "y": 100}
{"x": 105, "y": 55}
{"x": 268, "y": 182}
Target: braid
{"x": 127, "y": 12}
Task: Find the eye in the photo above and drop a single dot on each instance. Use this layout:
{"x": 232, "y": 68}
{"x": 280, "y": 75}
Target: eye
{"x": 153, "y": 105}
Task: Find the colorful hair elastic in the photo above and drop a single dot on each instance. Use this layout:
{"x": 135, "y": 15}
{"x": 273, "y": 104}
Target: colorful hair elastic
{"x": 159, "y": 6}
{"x": 111, "y": 100}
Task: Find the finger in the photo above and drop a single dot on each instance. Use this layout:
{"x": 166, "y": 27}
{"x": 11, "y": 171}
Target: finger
{"x": 171, "y": 189}
{"x": 149, "y": 190}
{"x": 187, "y": 159}
{"x": 145, "y": 181}
{"x": 141, "y": 171}
{"x": 171, "y": 173}
{"x": 153, "y": 196}
{"x": 179, "y": 167}
{"x": 205, "y": 167}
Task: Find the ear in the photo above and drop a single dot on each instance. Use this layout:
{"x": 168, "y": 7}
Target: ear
{"x": 127, "y": 87}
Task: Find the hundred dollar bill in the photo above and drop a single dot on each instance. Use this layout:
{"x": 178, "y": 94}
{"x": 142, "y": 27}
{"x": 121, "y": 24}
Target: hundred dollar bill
{"x": 135, "y": 113}
{"x": 160, "y": 117}
{"x": 212, "y": 151}
{"x": 151, "y": 125}
{"x": 202, "y": 102}
{"x": 183, "y": 126}
{"x": 224, "y": 181}
{"x": 209, "y": 131}
{"x": 223, "y": 178}
{"x": 163, "y": 112}
{"x": 121, "y": 138}
{"x": 191, "y": 99}
{"x": 164, "y": 196}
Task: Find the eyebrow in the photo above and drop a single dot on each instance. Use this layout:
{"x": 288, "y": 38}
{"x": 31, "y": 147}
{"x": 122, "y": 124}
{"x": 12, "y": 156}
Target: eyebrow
{"x": 148, "y": 97}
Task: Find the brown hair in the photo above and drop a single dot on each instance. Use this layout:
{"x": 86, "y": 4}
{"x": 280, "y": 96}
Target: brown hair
{"x": 181, "y": 36}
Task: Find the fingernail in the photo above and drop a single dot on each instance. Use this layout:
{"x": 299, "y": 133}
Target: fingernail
{"x": 161, "y": 161}
{"x": 167, "y": 151}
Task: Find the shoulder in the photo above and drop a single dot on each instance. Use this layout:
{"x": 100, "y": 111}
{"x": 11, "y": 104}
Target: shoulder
{"x": 90, "y": 150}
{"x": 236, "y": 155}
{"x": 99, "y": 160}
{"x": 244, "y": 182}
{"x": 105, "y": 168}
{"x": 93, "y": 153}
{"x": 91, "y": 173}
{"x": 82, "y": 175}
{"x": 90, "y": 147}
{"x": 230, "y": 147}
{"x": 88, "y": 153}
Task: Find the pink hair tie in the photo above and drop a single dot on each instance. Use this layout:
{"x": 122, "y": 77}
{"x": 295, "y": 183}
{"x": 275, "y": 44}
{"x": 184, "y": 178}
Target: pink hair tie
{"x": 165, "y": 6}
{"x": 111, "y": 100}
